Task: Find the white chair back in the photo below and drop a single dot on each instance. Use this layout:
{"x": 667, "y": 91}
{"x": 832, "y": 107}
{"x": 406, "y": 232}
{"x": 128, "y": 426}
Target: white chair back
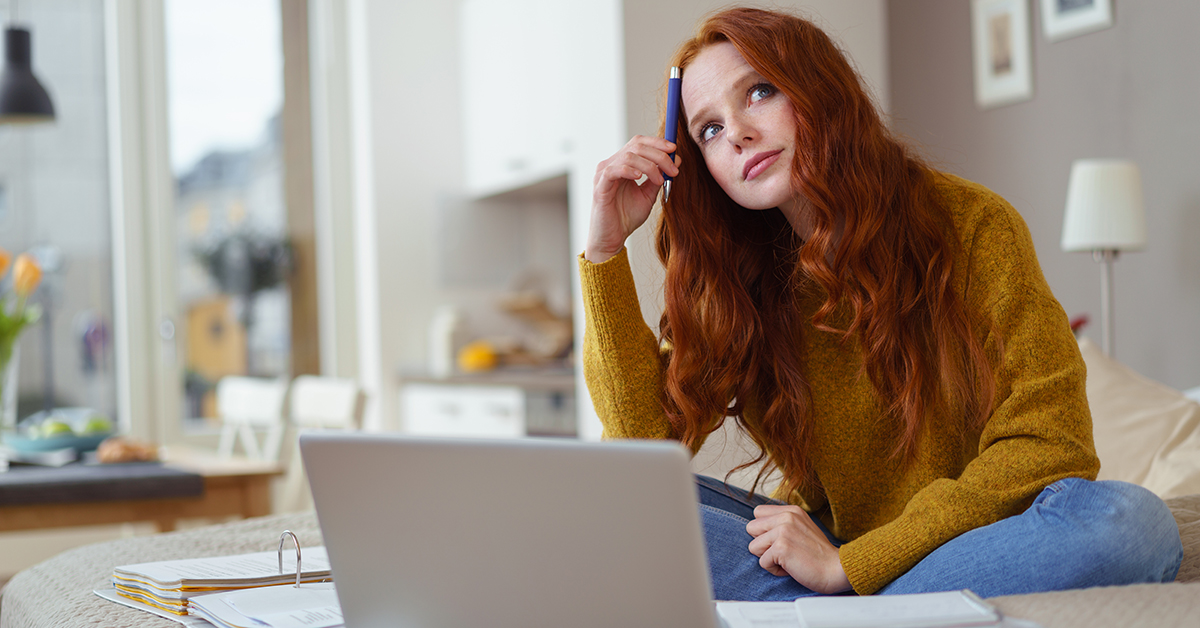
{"x": 316, "y": 403}
{"x": 245, "y": 403}
{"x": 326, "y": 402}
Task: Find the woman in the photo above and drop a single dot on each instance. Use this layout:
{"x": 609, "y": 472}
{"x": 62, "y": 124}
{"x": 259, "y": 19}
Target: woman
{"x": 881, "y": 330}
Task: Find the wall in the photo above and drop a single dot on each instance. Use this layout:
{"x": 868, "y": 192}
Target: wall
{"x": 1130, "y": 91}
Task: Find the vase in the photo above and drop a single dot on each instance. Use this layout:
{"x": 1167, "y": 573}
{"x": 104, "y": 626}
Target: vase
{"x": 8, "y": 393}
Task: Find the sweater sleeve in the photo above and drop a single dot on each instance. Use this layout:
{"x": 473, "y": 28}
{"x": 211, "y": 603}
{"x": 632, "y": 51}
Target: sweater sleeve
{"x": 1040, "y": 430}
{"x": 620, "y": 354}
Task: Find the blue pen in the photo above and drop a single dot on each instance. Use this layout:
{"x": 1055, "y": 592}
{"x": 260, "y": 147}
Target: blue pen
{"x": 673, "y": 86}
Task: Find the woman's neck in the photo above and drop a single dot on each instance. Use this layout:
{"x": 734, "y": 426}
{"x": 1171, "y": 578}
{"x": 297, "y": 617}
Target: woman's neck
{"x": 799, "y": 215}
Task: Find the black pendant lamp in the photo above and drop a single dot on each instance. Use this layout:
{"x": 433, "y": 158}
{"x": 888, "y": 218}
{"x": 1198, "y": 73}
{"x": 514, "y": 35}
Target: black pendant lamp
{"x": 23, "y": 100}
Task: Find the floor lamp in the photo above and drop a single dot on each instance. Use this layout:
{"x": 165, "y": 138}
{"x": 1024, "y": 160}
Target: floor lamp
{"x": 1105, "y": 215}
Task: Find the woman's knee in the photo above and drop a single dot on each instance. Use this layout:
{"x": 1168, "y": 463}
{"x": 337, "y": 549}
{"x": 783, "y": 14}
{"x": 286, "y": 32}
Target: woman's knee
{"x": 1131, "y": 527}
{"x": 1133, "y": 509}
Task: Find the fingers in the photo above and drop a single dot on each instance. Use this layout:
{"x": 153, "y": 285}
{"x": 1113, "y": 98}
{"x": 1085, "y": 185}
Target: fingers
{"x": 788, "y": 542}
{"x": 656, "y": 149}
{"x": 766, "y": 510}
{"x": 778, "y": 526}
{"x": 773, "y": 568}
{"x": 763, "y": 542}
{"x": 768, "y": 516}
{"x": 781, "y": 533}
{"x": 642, "y": 155}
{"x": 772, "y": 549}
{"x": 620, "y": 204}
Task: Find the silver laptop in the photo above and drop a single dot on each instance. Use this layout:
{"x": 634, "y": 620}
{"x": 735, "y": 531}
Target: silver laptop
{"x": 473, "y": 533}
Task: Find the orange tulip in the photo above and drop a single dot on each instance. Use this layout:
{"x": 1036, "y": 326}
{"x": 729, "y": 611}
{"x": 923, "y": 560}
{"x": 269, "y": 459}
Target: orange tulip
{"x": 5, "y": 260}
{"x": 26, "y": 275}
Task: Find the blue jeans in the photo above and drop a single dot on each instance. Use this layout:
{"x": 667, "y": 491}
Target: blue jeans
{"x": 1076, "y": 534}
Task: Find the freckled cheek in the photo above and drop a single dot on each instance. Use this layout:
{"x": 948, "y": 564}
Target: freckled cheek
{"x": 727, "y": 179}
{"x": 723, "y": 168}
{"x": 724, "y": 174}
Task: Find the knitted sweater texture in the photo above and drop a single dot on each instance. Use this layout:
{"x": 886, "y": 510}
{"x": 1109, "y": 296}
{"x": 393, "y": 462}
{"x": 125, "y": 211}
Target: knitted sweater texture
{"x": 893, "y": 514}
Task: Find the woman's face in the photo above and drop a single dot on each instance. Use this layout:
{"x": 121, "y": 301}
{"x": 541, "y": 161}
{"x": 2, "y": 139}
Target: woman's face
{"x": 744, "y": 126}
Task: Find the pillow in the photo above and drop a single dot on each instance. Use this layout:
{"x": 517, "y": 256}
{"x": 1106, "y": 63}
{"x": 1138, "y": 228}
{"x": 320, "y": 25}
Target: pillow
{"x": 1146, "y": 433}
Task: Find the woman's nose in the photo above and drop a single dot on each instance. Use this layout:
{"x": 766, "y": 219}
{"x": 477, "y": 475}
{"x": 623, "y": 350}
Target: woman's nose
{"x": 740, "y": 132}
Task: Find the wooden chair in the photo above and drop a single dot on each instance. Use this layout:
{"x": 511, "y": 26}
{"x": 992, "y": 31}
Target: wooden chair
{"x": 247, "y": 403}
{"x": 317, "y": 403}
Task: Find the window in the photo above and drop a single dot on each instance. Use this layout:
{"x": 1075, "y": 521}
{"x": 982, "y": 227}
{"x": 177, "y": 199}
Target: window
{"x": 232, "y": 257}
{"x": 54, "y": 203}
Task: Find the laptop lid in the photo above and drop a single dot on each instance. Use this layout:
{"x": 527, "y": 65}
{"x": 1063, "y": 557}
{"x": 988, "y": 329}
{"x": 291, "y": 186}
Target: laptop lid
{"x": 497, "y": 533}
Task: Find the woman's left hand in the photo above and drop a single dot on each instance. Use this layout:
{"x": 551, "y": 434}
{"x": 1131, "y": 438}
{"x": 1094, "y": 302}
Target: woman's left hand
{"x": 787, "y": 542}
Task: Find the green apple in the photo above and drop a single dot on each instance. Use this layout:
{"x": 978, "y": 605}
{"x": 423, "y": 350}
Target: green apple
{"x": 52, "y": 428}
{"x": 96, "y": 425}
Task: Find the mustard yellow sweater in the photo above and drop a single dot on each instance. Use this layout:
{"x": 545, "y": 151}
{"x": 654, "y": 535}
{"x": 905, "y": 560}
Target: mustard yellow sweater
{"x": 893, "y": 515}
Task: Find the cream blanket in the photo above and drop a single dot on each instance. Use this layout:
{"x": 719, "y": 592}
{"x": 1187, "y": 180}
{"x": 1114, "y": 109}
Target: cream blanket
{"x": 58, "y": 592}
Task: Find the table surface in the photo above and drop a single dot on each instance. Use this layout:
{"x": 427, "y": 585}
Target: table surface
{"x": 189, "y": 484}
{"x": 96, "y": 482}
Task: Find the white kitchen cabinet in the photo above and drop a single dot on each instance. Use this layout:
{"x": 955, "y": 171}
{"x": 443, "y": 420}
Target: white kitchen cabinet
{"x": 516, "y": 56}
{"x": 489, "y": 406}
{"x": 484, "y": 411}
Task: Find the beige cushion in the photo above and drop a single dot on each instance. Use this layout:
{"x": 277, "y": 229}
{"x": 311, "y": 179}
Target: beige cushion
{"x": 1146, "y": 433}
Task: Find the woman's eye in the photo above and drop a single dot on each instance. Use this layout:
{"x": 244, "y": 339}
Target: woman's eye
{"x": 761, "y": 91}
{"x": 709, "y": 131}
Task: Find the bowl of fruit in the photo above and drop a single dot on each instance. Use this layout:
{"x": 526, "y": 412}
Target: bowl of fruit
{"x": 81, "y": 429}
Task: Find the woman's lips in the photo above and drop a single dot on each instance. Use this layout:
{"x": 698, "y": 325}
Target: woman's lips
{"x": 758, "y": 163}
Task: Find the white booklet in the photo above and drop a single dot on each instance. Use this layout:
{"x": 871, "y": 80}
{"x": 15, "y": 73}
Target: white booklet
{"x": 922, "y": 610}
{"x": 933, "y": 610}
{"x": 757, "y": 614}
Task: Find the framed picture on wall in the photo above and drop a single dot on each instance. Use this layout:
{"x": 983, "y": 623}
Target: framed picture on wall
{"x": 1000, "y": 34}
{"x": 1067, "y": 18}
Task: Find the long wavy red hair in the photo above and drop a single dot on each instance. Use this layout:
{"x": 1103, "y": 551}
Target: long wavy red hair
{"x": 734, "y": 277}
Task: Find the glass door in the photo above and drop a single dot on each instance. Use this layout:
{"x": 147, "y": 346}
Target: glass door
{"x": 225, "y": 277}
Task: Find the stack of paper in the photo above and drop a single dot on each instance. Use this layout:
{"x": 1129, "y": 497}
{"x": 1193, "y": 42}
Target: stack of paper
{"x": 167, "y": 585}
{"x": 280, "y": 606}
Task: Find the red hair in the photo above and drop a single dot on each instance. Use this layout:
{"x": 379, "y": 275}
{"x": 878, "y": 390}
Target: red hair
{"x": 735, "y": 277}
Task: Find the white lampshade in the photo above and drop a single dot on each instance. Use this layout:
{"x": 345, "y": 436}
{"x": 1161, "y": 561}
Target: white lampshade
{"x": 1105, "y": 208}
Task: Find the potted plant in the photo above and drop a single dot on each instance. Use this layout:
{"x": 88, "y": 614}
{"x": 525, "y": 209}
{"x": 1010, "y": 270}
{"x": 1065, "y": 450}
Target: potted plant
{"x": 15, "y": 315}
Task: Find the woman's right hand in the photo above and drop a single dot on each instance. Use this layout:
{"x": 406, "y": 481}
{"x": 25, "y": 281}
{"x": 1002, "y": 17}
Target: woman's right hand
{"x": 619, "y": 204}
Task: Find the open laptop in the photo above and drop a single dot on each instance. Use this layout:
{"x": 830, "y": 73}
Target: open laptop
{"x": 472, "y": 533}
